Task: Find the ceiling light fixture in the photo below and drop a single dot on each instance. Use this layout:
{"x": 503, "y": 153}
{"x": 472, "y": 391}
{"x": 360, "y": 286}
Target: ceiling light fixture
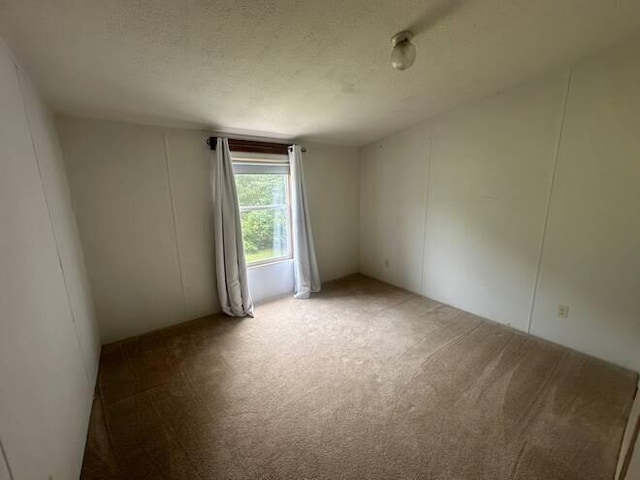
{"x": 404, "y": 52}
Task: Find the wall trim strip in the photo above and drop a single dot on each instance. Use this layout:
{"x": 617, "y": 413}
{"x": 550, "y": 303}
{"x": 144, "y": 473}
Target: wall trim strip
{"x": 552, "y": 182}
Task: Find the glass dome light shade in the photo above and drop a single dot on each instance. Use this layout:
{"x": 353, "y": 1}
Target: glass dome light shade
{"x": 404, "y": 52}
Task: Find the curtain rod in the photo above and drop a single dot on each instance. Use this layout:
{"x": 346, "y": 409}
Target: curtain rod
{"x": 253, "y": 146}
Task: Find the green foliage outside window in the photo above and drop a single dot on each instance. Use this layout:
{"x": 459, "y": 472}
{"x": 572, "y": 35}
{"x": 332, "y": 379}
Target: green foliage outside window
{"x": 264, "y": 231}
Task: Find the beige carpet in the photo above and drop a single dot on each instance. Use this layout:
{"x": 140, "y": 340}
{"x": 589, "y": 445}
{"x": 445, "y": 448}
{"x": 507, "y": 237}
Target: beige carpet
{"x": 363, "y": 381}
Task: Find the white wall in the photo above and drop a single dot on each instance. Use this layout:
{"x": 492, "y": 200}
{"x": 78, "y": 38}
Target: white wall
{"x": 270, "y": 280}
{"x": 591, "y": 258}
{"x": 48, "y": 341}
{"x": 331, "y": 177}
{"x": 491, "y": 169}
{"x": 393, "y": 185}
{"x": 519, "y": 203}
{"x": 123, "y": 203}
{"x": 142, "y": 198}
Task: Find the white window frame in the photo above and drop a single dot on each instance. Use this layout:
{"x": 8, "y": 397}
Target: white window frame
{"x": 261, "y": 164}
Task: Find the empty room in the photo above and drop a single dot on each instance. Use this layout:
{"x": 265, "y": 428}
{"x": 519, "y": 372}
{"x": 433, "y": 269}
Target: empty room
{"x": 358, "y": 239}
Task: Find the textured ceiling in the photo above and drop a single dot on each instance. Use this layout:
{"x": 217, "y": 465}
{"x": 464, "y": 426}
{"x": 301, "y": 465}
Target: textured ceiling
{"x": 315, "y": 69}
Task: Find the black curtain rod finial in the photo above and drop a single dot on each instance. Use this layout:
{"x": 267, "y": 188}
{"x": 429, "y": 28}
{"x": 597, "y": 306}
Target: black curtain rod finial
{"x": 212, "y": 142}
{"x": 302, "y": 149}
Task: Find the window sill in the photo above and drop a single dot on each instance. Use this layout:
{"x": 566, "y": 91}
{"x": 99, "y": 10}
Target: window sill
{"x": 269, "y": 262}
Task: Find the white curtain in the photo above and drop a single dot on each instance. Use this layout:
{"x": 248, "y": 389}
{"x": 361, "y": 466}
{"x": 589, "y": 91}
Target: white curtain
{"x": 230, "y": 263}
{"x": 305, "y": 267}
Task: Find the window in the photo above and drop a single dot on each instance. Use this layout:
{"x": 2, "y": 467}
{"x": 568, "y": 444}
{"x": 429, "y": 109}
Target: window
{"x": 262, "y": 183}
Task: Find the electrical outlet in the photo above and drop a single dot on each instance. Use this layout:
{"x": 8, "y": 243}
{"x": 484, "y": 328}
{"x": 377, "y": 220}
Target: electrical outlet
{"x": 563, "y": 311}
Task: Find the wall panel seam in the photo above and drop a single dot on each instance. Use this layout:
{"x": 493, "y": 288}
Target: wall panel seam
{"x": 174, "y": 217}
{"x": 552, "y": 184}
{"x": 426, "y": 204}
{"x": 6, "y": 460}
{"x": 361, "y": 155}
{"x": 358, "y": 182}
{"x": 53, "y": 230}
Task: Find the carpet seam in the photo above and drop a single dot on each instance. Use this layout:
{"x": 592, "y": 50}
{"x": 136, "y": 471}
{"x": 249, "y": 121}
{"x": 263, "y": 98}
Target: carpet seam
{"x": 172, "y": 432}
{"x": 211, "y": 416}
